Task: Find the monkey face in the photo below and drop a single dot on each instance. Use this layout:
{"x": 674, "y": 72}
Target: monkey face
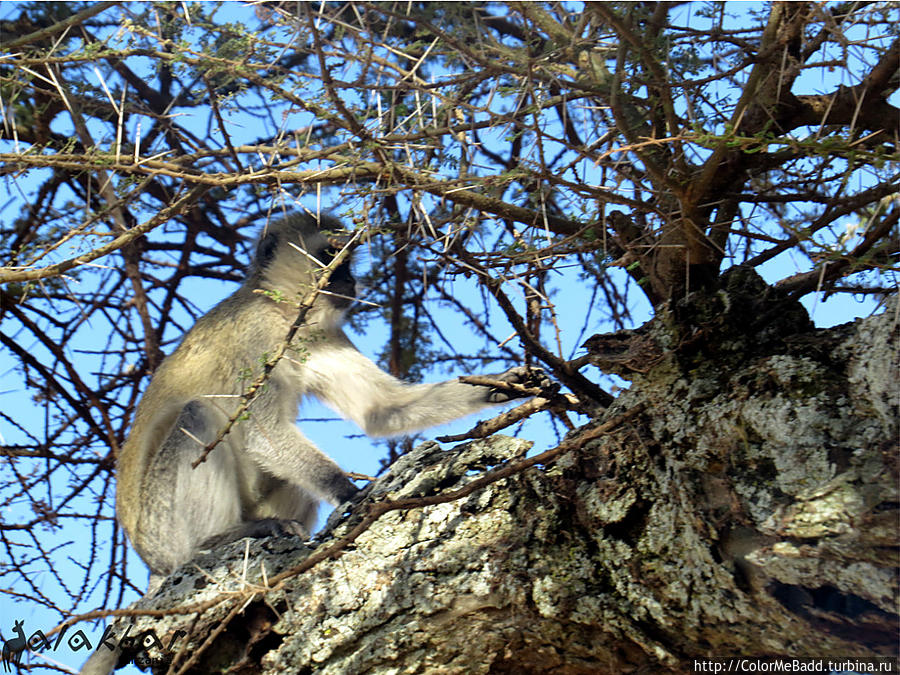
{"x": 342, "y": 282}
{"x": 291, "y": 252}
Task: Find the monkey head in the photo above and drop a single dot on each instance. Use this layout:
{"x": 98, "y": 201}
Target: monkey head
{"x": 291, "y": 251}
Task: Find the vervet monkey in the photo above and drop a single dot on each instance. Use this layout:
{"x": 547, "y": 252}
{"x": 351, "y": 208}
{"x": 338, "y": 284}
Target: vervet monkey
{"x": 265, "y": 476}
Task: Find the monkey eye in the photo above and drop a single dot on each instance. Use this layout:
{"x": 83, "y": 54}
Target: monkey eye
{"x": 338, "y": 240}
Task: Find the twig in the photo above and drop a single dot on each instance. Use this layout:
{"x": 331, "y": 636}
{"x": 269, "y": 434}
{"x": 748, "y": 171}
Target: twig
{"x": 505, "y": 419}
{"x": 48, "y": 31}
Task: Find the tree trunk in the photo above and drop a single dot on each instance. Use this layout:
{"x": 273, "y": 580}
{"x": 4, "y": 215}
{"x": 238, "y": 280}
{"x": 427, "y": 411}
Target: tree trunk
{"x": 750, "y": 508}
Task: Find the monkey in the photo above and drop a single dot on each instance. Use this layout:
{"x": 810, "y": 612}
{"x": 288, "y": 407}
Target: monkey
{"x": 265, "y": 477}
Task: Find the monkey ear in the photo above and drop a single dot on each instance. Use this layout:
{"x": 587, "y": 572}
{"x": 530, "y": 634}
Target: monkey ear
{"x": 266, "y": 249}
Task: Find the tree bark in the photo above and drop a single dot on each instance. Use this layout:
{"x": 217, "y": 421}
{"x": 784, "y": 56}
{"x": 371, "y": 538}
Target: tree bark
{"x": 750, "y": 509}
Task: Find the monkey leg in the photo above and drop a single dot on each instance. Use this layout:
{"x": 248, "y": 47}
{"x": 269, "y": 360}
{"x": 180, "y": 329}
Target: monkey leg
{"x": 183, "y": 506}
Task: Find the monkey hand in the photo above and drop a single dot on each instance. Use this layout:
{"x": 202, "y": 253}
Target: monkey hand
{"x": 341, "y": 490}
{"x": 520, "y": 382}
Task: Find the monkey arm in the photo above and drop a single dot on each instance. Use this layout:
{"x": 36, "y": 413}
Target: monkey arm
{"x": 275, "y": 443}
{"x": 344, "y": 379}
